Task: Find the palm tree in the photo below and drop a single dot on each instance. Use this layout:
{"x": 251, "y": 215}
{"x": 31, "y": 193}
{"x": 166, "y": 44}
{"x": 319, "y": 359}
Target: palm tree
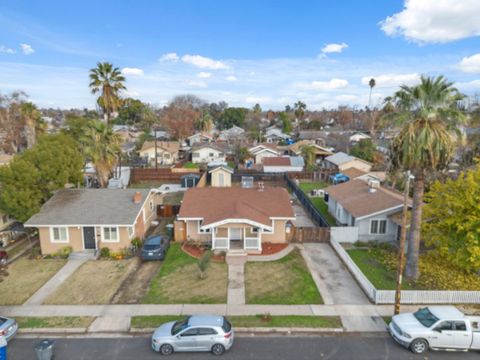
{"x": 109, "y": 81}
{"x": 425, "y": 144}
{"x": 308, "y": 154}
{"x": 372, "y": 84}
{"x": 102, "y": 147}
{"x": 31, "y": 118}
{"x": 205, "y": 122}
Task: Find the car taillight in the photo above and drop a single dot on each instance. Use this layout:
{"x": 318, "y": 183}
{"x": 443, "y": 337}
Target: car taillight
{"x": 228, "y": 335}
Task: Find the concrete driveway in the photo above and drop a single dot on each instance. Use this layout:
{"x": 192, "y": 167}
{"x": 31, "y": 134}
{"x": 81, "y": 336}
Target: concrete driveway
{"x": 301, "y": 217}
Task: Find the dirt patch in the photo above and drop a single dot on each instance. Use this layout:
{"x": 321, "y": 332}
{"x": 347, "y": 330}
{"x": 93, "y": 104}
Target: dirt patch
{"x": 136, "y": 285}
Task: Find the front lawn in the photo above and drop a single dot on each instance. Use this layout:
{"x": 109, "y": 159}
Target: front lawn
{"x": 178, "y": 281}
{"x": 25, "y": 277}
{"x": 54, "y": 322}
{"x": 318, "y": 202}
{"x": 144, "y": 322}
{"x": 285, "y": 281}
{"x": 95, "y": 282}
{"x": 379, "y": 265}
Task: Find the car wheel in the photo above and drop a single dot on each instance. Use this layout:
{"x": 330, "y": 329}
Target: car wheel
{"x": 419, "y": 346}
{"x": 218, "y": 349}
{"x": 166, "y": 349}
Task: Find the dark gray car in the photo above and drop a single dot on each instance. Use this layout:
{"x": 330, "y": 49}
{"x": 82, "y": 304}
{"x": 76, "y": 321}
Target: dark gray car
{"x": 155, "y": 247}
{"x": 8, "y": 328}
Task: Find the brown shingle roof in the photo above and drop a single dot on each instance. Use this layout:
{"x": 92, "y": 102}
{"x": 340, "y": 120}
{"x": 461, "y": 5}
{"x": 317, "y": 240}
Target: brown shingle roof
{"x": 217, "y": 204}
{"x": 353, "y": 173}
{"x": 355, "y": 197}
{"x": 276, "y": 161}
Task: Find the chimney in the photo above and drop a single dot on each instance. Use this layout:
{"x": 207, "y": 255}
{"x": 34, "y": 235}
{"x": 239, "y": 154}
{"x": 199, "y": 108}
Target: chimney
{"x": 137, "y": 198}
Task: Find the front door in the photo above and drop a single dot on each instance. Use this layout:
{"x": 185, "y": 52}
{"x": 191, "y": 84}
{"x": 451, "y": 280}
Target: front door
{"x": 236, "y": 234}
{"x": 89, "y": 238}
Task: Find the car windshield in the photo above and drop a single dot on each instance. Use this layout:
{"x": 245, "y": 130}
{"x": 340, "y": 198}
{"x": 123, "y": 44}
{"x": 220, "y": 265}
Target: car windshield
{"x": 425, "y": 317}
{"x": 179, "y": 326}
{"x": 150, "y": 247}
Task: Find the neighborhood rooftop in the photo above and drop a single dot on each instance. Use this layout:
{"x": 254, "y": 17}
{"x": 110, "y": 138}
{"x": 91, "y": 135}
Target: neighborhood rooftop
{"x": 217, "y": 204}
{"x": 90, "y": 207}
{"x": 357, "y": 197}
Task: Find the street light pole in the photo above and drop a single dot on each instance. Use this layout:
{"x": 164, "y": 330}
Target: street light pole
{"x": 401, "y": 250}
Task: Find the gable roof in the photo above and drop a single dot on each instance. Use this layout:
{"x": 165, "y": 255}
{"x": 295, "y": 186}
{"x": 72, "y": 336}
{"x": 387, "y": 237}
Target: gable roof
{"x": 168, "y": 146}
{"x": 297, "y": 147}
{"x": 355, "y": 197}
{"x": 90, "y": 207}
{"x": 201, "y": 135}
{"x": 218, "y": 204}
{"x": 197, "y": 147}
{"x": 221, "y": 167}
{"x": 272, "y": 148}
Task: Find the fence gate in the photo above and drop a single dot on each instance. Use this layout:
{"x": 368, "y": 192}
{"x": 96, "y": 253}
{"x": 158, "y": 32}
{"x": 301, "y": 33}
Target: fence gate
{"x": 309, "y": 235}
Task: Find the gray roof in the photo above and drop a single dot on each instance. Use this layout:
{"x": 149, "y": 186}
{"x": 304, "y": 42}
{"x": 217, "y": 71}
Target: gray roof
{"x": 339, "y": 158}
{"x": 89, "y": 207}
{"x": 297, "y": 161}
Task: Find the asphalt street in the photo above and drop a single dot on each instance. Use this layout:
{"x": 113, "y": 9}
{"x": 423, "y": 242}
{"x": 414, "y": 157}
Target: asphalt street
{"x": 325, "y": 347}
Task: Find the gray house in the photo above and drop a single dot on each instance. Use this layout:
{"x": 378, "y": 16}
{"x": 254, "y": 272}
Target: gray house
{"x": 373, "y": 209}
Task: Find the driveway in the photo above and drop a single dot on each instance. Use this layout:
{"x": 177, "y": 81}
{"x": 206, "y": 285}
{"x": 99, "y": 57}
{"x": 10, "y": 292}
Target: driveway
{"x": 301, "y": 217}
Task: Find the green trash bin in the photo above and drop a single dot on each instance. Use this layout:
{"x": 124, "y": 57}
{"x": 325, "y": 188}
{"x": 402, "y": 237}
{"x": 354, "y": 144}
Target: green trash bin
{"x": 44, "y": 350}
{"x": 169, "y": 228}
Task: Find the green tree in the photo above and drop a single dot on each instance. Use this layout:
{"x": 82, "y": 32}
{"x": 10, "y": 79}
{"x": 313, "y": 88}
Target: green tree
{"x": 299, "y": 108}
{"x": 32, "y": 118}
{"x": 32, "y": 177}
{"x": 286, "y": 123}
{"x": 102, "y": 147}
{"x": 371, "y": 84}
{"x": 232, "y": 116}
{"x": 454, "y": 233}
{"x": 204, "y": 122}
{"x": 364, "y": 149}
{"x": 308, "y": 154}
{"x": 108, "y": 81}
{"x": 135, "y": 112}
{"x": 425, "y": 144}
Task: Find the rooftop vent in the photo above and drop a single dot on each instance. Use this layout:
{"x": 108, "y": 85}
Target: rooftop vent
{"x": 247, "y": 182}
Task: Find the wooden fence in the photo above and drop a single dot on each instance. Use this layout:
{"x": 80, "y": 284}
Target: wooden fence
{"x": 407, "y": 296}
{"x": 308, "y": 235}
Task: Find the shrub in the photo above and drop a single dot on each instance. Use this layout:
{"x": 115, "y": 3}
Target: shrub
{"x": 203, "y": 263}
{"x": 136, "y": 243}
{"x": 62, "y": 253}
{"x": 105, "y": 253}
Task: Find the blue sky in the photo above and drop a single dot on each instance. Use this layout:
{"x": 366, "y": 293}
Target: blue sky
{"x": 243, "y": 52}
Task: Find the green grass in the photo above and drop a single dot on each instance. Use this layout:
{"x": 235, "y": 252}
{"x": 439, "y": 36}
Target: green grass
{"x": 319, "y": 203}
{"x": 285, "y": 281}
{"x": 374, "y": 270}
{"x": 141, "y": 322}
{"x": 309, "y": 186}
{"x": 190, "y": 165}
{"x": 54, "y": 322}
{"x": 178, "y": 281}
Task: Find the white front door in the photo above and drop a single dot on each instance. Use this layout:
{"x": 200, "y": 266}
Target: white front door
{"x": 236, "y": 233}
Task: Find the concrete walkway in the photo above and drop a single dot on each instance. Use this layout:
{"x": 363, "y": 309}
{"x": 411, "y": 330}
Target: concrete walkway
{"x": 337, "y": 286}
{"x": 236, "y": 278}
{"x": 51, "y": 285}
{"x": 272, "y": 257}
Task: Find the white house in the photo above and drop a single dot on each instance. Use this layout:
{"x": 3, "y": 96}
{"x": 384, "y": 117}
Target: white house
{"x": 368, "y": 206}
{"x": 273, "y": 135}
{"x": 199, "y": 138}
{"x": 207, "y": 153}
{"x": 356, "y": 137}
{"x": 231, "y": 134}
{"x": 261, "y": 151}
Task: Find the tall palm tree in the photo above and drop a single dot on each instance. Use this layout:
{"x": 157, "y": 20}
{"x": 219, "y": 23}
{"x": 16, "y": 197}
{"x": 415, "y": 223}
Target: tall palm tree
{"x": 31, "y": 118}
{"x": 205, "y": 122}
{"x": 108, "y": 81}
{"x": 308, "y": 154}
{"x": 372, "y": 84}
{"x": 102, "y": 147}
{"x": 430, "y": 118}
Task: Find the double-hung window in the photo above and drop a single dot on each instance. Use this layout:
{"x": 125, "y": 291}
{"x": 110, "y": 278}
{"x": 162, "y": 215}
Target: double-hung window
{"x": 378, "y": 226}
{"x": 110, "y": 234}
{"x": 59, "y": 234}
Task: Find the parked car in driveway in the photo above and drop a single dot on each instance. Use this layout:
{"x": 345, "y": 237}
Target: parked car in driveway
{"x": 195, "y": 333}
{"x": 3, "y": 258}
{"x": 155, "y": 247}
{"x": 8, "y": 328}
{"x": 437, "y": 328}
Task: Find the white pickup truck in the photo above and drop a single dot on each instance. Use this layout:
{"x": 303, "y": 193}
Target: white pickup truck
{"x": 438, "y": 328}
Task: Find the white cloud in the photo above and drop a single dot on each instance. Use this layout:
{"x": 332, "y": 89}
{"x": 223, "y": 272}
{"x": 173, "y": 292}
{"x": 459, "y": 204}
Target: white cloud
{"x": 195, "y": 83}
{"x": 331, "y": 84}
{"x": 473, "y": 85}
{"x": 171, "y": 57}
{"x": 203, "y": 62}
{"x": 131, "y": 93}
{"x": 27, "y": 49}
{"x": 392, "y": 80}
{"x": 132, "y": 71}
{"x": 470, "y": 64}
{"x": 435, "y": 21}
{"x": 334, "y": 48}
{"x": 257, "y": 99}
{"x": 231, "y": 78}
{"x": 204, "y": 75}
{"x": 6, "y": 50}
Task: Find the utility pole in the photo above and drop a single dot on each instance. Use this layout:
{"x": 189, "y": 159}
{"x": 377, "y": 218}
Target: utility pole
{"x": 403, "y": 240}
{"x": 156, "y": 160}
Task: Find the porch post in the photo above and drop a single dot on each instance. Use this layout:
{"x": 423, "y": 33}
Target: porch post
{"x": 213, "y": 238}
{"x": 228, "y": 238}
{"x": 260, "y": 231}
{"x": 244, "y": 235}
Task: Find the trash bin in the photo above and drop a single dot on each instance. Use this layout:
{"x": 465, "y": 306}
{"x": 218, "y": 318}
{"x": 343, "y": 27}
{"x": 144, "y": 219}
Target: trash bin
{"x": 44, "y": 350}
{"x": 3, "y": 348}
{"x": 170, "y": 230}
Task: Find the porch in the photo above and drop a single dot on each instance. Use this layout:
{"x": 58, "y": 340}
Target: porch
{"x": 237, "y": 238}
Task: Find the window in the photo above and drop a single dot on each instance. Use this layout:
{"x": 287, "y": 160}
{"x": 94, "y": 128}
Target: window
{"x": 190, "y": 332}
{"x": 444, "y": 325}
{"x": 59, "y": 234}
{"x": 460, "y": 326}
{"x": 211, "y": 154}
{"x": 255, "y": 230}
{"x": 202, "y": 231}
{"x": 195, "y": 155}
{"x": 378, "y": 226}
{"x": 110, "y": 234}
{"x": 206, "y": 331}
{"x": 130, "y": 231}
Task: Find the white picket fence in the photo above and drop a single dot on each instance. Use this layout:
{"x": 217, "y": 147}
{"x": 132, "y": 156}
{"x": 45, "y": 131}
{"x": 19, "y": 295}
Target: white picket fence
{"x": 344, "y": 234}
{"x": 407, "y": 296}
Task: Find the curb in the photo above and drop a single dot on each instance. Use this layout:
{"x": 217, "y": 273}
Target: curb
{"x": 262, "y": 330}
{"x": 52, "y": 330}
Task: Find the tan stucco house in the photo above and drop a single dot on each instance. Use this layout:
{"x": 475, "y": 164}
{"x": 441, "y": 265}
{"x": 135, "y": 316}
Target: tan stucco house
{"x": 90, "y": 219}
{"x": 167, "y": 152}
{"x": 236, "y": 218}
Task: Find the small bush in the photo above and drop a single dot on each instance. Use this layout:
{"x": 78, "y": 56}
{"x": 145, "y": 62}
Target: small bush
{"x": 203, "y": 263}
{"x": 62, "y": 253}
{"x": 136, "y": 243}
{"x": 105, "y": 253}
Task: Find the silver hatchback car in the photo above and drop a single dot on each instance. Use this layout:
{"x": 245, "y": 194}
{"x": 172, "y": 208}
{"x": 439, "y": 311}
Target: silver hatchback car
{"x": 195, "y": 333}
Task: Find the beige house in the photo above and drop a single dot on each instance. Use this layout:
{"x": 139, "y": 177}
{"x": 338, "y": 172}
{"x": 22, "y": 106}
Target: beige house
{"x": 221, "y": 176}
{"x": 167, "y": 152}
{"x": 90, "y": 219}
{"x": 236, "y": 218}
{"x": 341, "y": 161}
